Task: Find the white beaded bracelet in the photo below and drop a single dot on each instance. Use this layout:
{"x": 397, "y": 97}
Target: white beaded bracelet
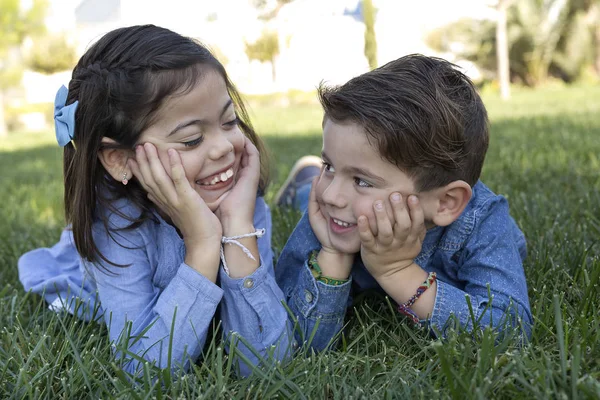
{"x": 235, "y": 240}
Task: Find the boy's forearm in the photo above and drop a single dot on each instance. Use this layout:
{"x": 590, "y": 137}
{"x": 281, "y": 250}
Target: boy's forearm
{"x": 402, "y": 285}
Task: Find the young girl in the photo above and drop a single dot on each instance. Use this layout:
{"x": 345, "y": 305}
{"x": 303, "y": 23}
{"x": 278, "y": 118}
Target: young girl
{"x": 163, "y": 181}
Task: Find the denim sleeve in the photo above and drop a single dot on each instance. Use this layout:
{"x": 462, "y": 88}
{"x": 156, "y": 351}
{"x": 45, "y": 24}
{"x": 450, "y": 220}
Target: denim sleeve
{"x": 253, "y": 307}
{"x": 491, "y": 269}
{"x": 167, "y": 327}
{"x": 317, "y": 310}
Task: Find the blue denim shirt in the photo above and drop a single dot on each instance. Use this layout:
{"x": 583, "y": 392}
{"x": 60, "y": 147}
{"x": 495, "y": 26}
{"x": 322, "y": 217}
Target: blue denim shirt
{"x": 159, "y": 291}
{"x": 483, "y": 247}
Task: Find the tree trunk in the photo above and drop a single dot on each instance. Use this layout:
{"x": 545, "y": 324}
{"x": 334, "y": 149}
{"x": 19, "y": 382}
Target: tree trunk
{"x": 3, "y": 130}
{"x": 597, "y": 50}
{"x": 273, "y": 74}
{"x": 502, "y": 50}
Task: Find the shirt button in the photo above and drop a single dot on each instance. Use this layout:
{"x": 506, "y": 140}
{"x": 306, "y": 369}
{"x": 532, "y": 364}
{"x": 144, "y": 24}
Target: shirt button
{"x": 308, "y": 296}
{"x": 248, "y": 283}
{"x": 294, "y": 345}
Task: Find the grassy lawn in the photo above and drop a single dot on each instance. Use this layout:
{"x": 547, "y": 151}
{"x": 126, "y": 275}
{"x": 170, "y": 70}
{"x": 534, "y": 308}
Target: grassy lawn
{"x": 544, "y": 157}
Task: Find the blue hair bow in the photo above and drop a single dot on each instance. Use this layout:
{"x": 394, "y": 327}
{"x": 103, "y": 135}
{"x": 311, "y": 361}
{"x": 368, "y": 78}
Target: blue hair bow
{"x": 64, "y": 117}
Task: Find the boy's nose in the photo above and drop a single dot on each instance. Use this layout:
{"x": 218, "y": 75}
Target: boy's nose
{"x": 333, "y": 195}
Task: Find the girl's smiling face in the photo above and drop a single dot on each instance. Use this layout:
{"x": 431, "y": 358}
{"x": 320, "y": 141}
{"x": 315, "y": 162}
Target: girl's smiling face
{"x": 202, "y": 126}
{"x": 353, "y": 177}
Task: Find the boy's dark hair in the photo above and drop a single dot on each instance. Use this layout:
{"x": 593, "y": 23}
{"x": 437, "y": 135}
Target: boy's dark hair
{"x": 120, "y": 83}
{"x": 423, "y": 115}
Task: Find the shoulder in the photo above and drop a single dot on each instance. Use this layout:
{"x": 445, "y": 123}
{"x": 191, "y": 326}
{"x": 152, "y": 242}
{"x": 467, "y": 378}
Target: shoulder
{"x": 485, "y": 207}
{"x": 121, "y": 225}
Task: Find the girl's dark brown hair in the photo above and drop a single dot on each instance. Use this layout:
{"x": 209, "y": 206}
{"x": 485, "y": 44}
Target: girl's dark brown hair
{"x": 422, "y": 114}
{"x": 120, "y": 83}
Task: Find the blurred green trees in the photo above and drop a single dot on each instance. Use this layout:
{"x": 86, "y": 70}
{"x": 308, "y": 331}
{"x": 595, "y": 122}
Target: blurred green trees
{"x": 264, "y": 49}
{"x": 51, "y": 54}
{"x": 16, "y": 24}
{"x": 557, "y": 38}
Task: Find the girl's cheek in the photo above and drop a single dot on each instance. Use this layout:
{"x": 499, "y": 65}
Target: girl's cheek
{"x": 237, "y": 140}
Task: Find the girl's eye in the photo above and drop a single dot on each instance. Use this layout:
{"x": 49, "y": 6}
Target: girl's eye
{"x": 233, "y": 122}
{"x": 360, "y": 183}
{"x": 328, "y": 167}
{"x": 193, "y": 143}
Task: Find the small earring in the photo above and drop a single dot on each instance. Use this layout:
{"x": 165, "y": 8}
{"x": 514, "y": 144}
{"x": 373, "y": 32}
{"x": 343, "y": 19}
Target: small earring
{"x": 124, "y": 181}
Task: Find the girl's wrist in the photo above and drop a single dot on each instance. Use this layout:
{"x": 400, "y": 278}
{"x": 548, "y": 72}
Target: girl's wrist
{"x": 235, "y": 228}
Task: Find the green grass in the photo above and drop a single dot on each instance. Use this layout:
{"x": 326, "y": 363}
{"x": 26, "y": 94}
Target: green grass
{"x": 544, "y": 157}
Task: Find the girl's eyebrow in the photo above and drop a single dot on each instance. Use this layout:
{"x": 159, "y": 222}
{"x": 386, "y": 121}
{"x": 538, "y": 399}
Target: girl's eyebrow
{"x": 199, "y": 121}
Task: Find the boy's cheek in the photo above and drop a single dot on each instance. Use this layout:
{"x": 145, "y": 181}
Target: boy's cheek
{"x": 365, "y": 207}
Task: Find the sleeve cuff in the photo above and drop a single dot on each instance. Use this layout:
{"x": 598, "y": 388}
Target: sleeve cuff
{"x": 451, "y": 304}
{"x": 319, "y": 298}
{"x": 188, "y": 277}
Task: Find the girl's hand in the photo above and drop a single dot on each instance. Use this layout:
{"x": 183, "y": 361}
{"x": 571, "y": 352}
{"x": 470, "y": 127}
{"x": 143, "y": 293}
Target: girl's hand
{"x": 173, "y": 195}
{"x": 397, "y": 241}
{"x": 237, "y": 207}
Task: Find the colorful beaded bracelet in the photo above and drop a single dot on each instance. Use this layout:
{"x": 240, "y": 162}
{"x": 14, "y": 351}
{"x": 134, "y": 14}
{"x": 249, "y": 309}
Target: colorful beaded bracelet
{"x": 404, "y": 308}
{"x": 315, "y": 270}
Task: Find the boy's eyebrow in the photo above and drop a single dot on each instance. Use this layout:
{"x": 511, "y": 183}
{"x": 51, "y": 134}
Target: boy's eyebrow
{"x": 199, "y": 121}
{"x": 364, "y": 172}
{"x": 358, "y": 171}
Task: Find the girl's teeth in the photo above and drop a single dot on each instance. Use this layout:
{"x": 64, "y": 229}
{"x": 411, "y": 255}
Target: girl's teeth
{"x": 219, "y": 178}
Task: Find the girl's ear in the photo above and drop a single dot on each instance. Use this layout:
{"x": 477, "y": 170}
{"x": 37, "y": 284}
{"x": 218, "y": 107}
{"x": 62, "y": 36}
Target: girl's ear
{"x": 115, "y": 161}
{"x": 452, "y": 200}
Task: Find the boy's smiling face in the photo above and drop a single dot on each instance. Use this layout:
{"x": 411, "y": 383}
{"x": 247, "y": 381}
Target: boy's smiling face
{"x": 353, "y": 177}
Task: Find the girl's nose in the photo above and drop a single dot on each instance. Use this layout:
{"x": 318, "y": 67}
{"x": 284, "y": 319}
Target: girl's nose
{"x": 220, "y": 148}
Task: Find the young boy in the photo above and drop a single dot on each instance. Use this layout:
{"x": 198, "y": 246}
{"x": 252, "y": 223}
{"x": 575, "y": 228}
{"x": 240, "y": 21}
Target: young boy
{"x": 398, "y": 206}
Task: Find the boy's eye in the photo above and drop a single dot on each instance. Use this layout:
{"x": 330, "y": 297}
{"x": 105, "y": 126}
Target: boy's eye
{"x": 328, "y": 167}
{"x": 233, "y": 122}
{"x": 193, "y": 143}
{"x": 360, "y": 183}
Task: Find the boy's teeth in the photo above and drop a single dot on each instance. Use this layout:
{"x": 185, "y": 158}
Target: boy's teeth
{"x": 223, "y": 176}
{"x": 340, "y": 223}
{"x": 229, "y": 173}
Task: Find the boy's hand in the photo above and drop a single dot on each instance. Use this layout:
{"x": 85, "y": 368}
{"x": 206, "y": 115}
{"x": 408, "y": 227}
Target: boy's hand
{"x": 333, "y": 263}
{"x": 397, "y": 241}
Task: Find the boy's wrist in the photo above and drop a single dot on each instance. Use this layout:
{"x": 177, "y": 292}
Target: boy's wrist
{"x": 400, "y": 284}
{"x": 393, "y": 269}
{"x": 334, "y": 264}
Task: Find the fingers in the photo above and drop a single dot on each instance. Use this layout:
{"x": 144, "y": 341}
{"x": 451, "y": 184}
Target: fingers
{"x": 313, "y": 205}
{"x": 417, "y": 217}
{"x": 364, "y": 231}
{"x": 401, "y": 216}
{"x": 162, "y": 181}
{"x": 177, "y": 171}
{"x": 385, "y": 233}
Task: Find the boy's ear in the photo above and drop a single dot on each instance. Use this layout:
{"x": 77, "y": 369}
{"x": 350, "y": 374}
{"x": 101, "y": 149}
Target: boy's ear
{"x": 115, "y": 161}
{"x": 452, "y": 200}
